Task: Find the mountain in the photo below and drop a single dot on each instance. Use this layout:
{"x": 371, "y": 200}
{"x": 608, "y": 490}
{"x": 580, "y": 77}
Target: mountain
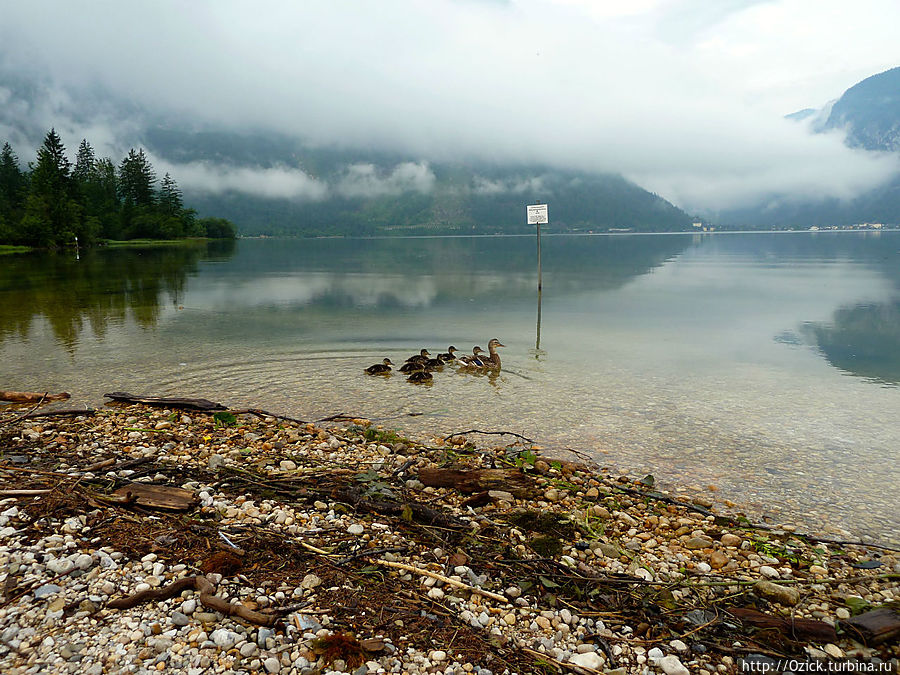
{"x": 869, "y": 114}
{"x": 367, "y": 192}
{"x": 270, "y": 183}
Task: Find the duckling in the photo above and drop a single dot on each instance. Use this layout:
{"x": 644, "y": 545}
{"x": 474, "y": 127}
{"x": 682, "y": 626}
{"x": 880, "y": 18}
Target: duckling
{"x": 421, "y": 357}
{"x": 434, "y": 364}
{"x": 420, "y": 376}
{"x": 380, "y": 368}
{"x": 448, "y": 356}
{"x": 411, "y": 366}
{"x": 493, "y": 361}
{"x": 473, "y": 360}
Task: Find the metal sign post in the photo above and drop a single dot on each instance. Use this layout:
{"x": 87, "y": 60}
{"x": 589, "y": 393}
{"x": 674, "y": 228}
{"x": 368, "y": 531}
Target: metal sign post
{"x": 537, "y": 214}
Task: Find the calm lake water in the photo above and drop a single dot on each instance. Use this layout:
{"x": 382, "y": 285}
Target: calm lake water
{"x": 767, "y": 365}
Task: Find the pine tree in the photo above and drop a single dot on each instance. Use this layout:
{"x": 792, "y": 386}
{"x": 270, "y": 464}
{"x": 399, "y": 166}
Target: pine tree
{"x": 12, "y": 192}
{"x": 51, "y": 215}
{"x": 170, "y": 201}
{"x": 137, "y": 179}
{"x": 85, "y": 164}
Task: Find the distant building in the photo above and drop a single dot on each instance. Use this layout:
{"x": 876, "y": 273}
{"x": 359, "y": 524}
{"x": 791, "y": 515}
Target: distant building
{"x": 698, "y": 224}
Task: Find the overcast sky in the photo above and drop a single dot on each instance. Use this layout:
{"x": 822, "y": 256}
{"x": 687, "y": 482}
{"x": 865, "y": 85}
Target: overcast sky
{"x": 685, "y": 97}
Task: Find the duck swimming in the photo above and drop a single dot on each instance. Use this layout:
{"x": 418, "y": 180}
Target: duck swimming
{"x": 448, "y": 356}
{"x": 380, "y": 368}
{"x": 420, "y": 375}
{"x": 474, "y": 359}
{"x": 421, "y": 357}
{"x": 492, "y": 362}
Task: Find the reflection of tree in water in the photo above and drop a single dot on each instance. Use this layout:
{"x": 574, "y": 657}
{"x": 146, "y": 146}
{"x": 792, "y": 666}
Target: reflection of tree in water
{"x": 103, "y": 286}
{"x": 862, "y": 340}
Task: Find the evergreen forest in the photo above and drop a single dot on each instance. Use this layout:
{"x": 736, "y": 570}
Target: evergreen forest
{"x": 55, "y": 203}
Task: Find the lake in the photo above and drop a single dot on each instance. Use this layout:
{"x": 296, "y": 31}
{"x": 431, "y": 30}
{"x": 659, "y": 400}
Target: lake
{"x": 766, "y": 365}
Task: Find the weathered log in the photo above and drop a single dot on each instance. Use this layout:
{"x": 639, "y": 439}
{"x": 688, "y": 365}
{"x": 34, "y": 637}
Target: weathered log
{"x": 155, "y": 496}
{"x": 411, "y": 511}
{"x": 875, "y": 627}
{"x": 802, "y": 630}
{"x": 207, "y": 598}
{"x": 165, "y": 402}
{"x": 31, "y": 396}
{"x": 478, "y": 480}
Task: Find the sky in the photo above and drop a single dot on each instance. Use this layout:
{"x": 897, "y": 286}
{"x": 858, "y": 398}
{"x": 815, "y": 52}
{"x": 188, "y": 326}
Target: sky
{"x": 684, "y": 97}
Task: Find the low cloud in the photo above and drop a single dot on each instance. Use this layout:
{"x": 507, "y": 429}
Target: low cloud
{"x": 531, "y": 185}
{"x": 367, "y": 180}
{"x": 276, "y": 182}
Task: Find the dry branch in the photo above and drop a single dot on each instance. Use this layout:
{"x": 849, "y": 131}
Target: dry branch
{"x": 441, "y": 577}
{"x": 207, "y": 598}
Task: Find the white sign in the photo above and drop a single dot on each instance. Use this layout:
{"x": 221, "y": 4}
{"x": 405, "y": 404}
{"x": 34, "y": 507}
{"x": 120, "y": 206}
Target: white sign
{"x": 537, "y": 214}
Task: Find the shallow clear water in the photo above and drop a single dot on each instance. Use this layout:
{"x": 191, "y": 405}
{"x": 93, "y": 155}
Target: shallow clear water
{"x": 767, "y": 365}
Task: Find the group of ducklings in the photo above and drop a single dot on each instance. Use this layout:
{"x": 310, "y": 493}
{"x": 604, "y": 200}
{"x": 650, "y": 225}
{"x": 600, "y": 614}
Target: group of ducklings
{"x": 419, "y": 367}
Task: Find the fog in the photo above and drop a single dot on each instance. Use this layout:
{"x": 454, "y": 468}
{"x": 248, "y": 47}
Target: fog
{"x": 684, "y": 97}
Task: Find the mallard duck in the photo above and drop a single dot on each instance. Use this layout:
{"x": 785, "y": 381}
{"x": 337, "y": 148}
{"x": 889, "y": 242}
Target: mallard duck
{"x": 448, "y": 356}
{"x": 492, "y": 362}
{"x": 380, "y": 368}
{"x": 474, "y": 359}
{"x": 421, "y": 357}
{"x": 411, "y": 366}
{"x": 434, "y": 364}
{"x": 420, "y": 375}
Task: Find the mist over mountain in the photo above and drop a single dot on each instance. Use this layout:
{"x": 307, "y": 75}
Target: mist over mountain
{"x": 868, "y": 117}
{"x": 331, "y": 190}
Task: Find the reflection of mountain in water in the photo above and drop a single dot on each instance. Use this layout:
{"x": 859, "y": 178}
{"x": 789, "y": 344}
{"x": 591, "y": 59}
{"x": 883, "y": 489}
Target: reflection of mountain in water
{"x": 101, "y": 287}
{"x": 385, "y": 273}
{"x": 862, "y": 340}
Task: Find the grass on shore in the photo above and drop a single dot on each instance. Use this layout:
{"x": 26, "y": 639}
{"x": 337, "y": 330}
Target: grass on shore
{"x": 6, "y": 249}
{"x": 144, "y": 243}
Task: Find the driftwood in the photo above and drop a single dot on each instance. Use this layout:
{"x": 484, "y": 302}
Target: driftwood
{"x": 478, "y": 480}
{"x": 154, "y": 496}
{"x": 875, "y": 627}
{"x": 411, "y": 511}
{"x": 441, "y": 577}
{"x": 803, "y": 630}
{"x": 207, "y": 598}
{"x": 31, "y": 396}
{"x": 183, "y": 403}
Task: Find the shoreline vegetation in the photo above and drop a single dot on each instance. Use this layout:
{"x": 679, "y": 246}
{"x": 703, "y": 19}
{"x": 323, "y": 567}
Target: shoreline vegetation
{"x": 184, "y": 536}
{"x": 56, "y": 204}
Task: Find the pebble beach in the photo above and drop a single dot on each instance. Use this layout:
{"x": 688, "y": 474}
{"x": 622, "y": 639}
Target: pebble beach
{"x": 142, "y": 539}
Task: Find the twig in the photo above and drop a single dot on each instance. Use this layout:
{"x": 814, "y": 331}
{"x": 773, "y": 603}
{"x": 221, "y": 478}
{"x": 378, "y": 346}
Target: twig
{"x": 23, "y": 493}
{"x": 441, "y": 577}
{"x": 489, "y": 433}
{"x": 207, "y": 598}
{"x": 24, "y": 415}
{"x": 264, "y": 413}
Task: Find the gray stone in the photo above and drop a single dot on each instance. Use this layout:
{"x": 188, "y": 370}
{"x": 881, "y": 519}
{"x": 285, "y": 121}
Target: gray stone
{"x": 180, "y": 619}
{"x": 224, "y": 639}
{"x": 272, "y": 665}
{"x": 216, "y": 462}
{"x": 46, "y": 589}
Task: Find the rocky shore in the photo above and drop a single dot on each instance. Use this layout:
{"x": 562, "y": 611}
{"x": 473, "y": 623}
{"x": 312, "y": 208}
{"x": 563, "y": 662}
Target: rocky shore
{"x": 139, "y": 540}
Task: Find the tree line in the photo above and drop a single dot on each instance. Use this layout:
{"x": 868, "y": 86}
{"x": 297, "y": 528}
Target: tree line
{"x": 55, "y": 203}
